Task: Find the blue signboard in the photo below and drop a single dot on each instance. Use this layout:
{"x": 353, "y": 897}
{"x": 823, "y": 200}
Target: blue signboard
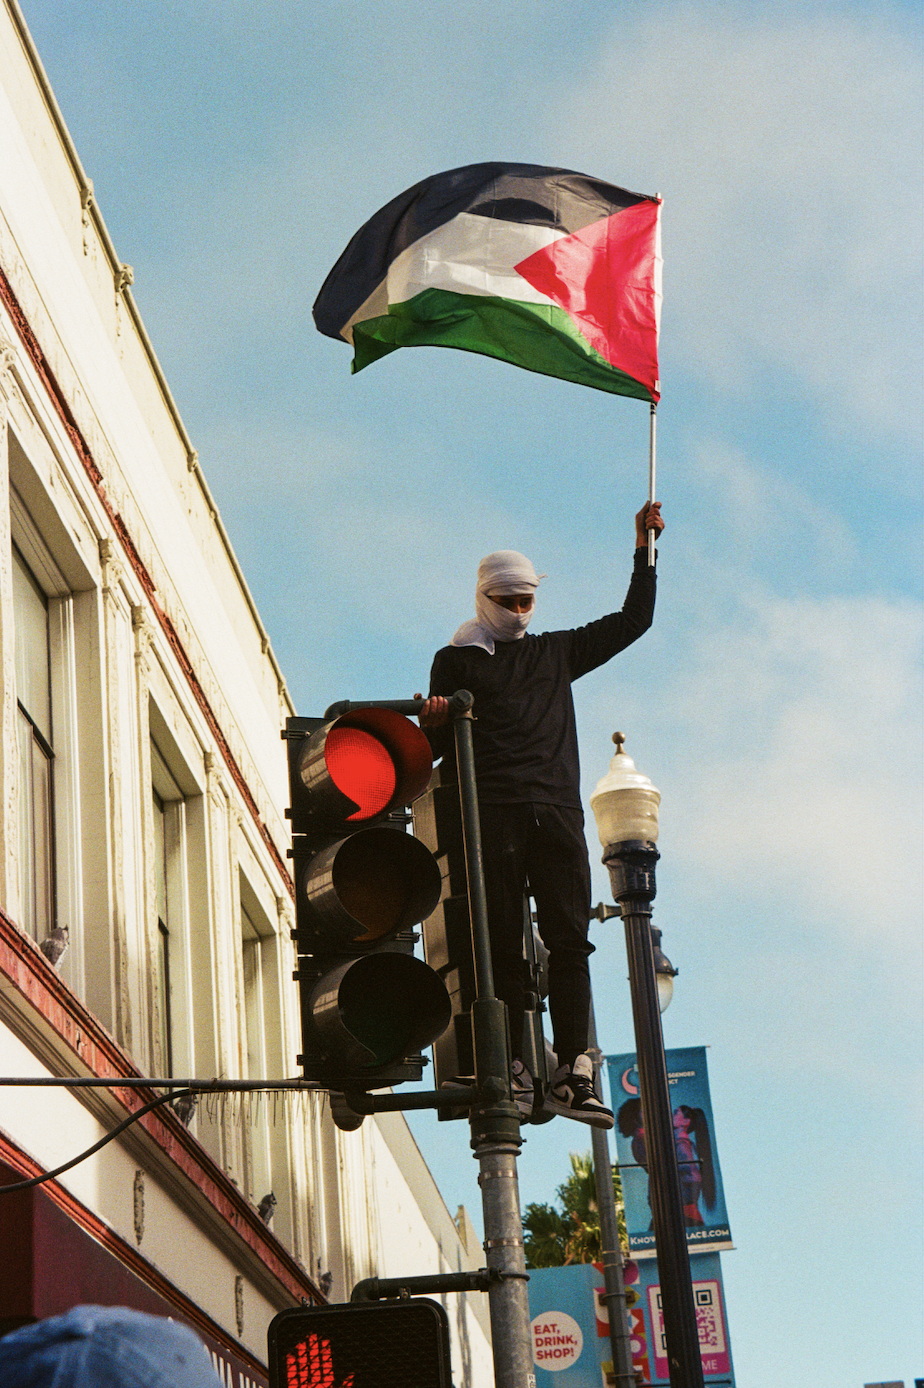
{"x": 570, "y": 1342}
{"x": 700, "y": 1178}
{"x": 570, "y": 1329}
{"x": 646, "y": 1324}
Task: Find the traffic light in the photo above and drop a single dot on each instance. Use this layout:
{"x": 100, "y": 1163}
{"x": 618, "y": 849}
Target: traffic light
{"x": 376, "y": 1344}
{"x": 368, "y": 1006}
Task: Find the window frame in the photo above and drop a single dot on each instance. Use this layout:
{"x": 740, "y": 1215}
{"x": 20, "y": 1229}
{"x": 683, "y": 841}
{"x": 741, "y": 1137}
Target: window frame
{"x": 172, "y": 1000}
{"x": 258, "y": 941}
{"x": 66, "y": 855}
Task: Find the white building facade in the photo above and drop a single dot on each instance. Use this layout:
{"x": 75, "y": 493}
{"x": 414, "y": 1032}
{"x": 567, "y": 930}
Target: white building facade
{"x": 142, "y": 795}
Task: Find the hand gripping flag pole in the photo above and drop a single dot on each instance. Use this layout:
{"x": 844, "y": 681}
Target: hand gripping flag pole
{"x": 544, "y": 268}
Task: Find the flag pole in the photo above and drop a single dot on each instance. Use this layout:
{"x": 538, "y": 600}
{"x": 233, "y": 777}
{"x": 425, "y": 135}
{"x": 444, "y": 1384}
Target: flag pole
{"x": 651, "y": 478}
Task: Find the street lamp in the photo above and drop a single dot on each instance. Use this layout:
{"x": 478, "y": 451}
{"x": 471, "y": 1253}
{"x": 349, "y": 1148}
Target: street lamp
{"x": 665, "y": 972}
{"x": 664, "y": 969}
{"x": 625, "y": 806}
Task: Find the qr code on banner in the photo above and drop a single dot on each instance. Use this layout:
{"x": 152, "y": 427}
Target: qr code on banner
{"x": 708, "y": 1317}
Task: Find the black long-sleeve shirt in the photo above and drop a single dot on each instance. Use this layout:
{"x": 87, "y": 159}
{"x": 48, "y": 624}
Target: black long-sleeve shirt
{"x": 525, "y": 738}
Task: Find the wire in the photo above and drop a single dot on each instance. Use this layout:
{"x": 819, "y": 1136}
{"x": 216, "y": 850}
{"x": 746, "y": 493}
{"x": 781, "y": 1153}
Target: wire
{"x": 75, "y": 1161}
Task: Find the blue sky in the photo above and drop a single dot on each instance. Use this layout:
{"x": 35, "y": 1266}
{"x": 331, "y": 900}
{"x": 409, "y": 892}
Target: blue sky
{"x": 236, "y": 146}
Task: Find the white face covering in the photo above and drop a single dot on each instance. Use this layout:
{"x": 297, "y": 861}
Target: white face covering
{"x": 505, "y": 572}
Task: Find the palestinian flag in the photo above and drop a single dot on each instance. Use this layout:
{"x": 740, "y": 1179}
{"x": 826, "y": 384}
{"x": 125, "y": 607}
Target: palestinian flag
{"x": 544, "y": 268}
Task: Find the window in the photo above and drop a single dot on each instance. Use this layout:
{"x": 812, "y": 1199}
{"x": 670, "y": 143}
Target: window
{"x": 257, "y": 953}
{"x": 36, "y": 755}
{"x": 255, "y": 1040}
{"x": 51, "y": 610}
{"x": 169, "y": 821}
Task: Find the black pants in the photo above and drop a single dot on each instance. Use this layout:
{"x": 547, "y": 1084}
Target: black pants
{"x": 542, "y": 846}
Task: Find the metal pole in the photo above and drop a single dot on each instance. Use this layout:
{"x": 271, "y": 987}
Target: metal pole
{"x": 652, "y": 429}
{"x": 632, "y": 873}
{"x": 494, "y": 1119}
{"x": 610, "y": 1251}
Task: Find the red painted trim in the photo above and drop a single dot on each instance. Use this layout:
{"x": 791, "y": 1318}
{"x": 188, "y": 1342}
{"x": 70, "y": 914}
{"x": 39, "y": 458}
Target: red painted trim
{"x": 36, "y": 1296}
{"x": 81, "y": 448}
{"x": 37, "y": 984}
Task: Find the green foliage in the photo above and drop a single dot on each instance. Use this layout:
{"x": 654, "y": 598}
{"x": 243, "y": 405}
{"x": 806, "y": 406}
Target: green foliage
{"x": 555, "y": 1236}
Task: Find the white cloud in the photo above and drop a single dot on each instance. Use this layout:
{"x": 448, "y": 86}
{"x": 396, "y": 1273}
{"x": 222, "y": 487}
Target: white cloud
{"x": 803, "y": 779}
{"x": 787, "y": 144}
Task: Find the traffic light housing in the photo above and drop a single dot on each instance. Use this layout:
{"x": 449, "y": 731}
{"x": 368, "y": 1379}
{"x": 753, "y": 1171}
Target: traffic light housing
{"x": 447, "y": 930}
{"x": 368, "y": 1005}
{"x": 448, "y": 948}
{"x": 376, "y": 1344}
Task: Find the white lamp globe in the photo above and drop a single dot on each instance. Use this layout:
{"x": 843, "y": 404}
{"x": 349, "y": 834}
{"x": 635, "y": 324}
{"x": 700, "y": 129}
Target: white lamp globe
{"x": 624, "y": 802}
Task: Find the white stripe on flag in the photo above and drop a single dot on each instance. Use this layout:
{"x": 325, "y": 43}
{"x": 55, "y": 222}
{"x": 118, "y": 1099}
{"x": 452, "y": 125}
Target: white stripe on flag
{"x": 469, "y": 255}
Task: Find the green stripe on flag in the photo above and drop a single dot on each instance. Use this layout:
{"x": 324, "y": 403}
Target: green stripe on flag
{"x": 537, "y": 337}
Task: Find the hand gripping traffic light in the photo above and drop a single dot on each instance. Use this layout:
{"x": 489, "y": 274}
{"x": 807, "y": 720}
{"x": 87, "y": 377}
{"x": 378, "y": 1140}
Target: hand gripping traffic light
{"x": 368, "y": 1006}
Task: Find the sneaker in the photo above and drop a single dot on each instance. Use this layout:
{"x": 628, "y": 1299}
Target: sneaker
{"x": 522, "y": 1090}
{"x": 572, "y": 1094}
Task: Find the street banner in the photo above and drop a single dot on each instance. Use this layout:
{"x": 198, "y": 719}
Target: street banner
{"x": 646, "y": 1324}
{"x": 570, "y": 1338}
{"x": 700, "y": 1178}
{"x": 570, "y": 1325}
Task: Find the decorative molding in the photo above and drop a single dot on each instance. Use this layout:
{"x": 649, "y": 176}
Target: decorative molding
{"x": 144, "y": 634}
{"x": 8, "y": 387}
{"x": 239, "y": 1304}
{"x": 123, "y": 278}
{"x": 138, "y": 1203}
{"x": 87, "y": 202}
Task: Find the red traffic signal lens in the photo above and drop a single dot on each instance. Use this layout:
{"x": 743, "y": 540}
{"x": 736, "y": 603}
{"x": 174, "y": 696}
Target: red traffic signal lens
{"x": 362, "y": 768}
{"x": 356, "y": 769}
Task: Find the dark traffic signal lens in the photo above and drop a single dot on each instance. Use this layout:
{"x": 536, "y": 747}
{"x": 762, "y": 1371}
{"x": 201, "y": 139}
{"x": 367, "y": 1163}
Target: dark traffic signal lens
{"x": 368, "y": 887}
{"x": 371, "y": 1011}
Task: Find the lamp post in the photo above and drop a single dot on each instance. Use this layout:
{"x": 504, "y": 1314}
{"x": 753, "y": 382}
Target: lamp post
{"x": 625, "y": 806}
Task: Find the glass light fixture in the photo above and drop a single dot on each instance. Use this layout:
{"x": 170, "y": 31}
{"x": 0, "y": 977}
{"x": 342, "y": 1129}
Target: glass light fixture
{"x": 625, "y": 803}
{"x": 665, "y": 973}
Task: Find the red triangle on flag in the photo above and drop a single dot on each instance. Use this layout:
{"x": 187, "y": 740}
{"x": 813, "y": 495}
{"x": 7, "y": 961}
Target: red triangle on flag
{"x": 603, "y": 276}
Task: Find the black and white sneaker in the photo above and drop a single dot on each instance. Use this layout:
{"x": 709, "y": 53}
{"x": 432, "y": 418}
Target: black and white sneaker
{"x": 522, "y": 1090}
{"x": 572, "y": 1094}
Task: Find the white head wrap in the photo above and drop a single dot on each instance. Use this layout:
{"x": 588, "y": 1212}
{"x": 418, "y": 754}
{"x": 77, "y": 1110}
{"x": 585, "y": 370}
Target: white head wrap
{"x": 505, "y": 572}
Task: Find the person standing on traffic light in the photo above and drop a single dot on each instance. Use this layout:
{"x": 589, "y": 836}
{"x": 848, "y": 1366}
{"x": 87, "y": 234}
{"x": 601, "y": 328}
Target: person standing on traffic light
{"x": 526, "y": 763}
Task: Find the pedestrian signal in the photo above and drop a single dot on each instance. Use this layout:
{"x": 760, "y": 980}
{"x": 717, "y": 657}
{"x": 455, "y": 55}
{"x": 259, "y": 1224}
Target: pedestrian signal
{"x": 380, "y": 1344}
